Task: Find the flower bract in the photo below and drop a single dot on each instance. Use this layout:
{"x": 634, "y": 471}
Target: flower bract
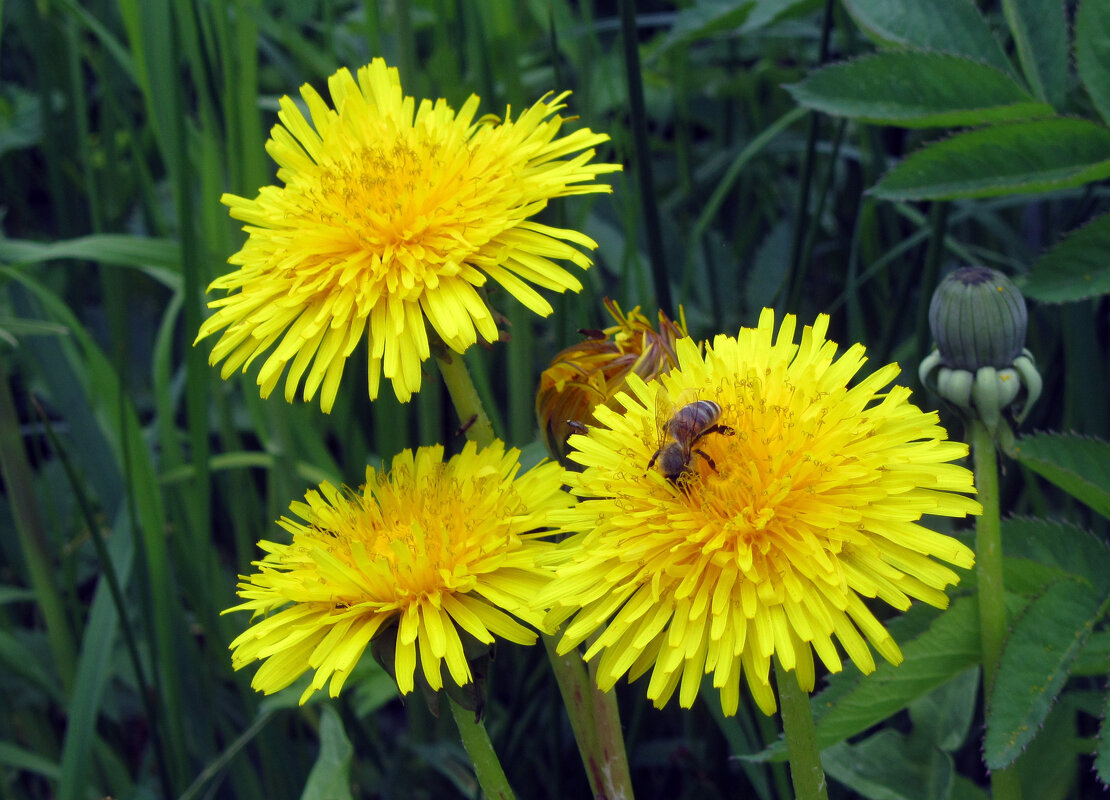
{"x": 390, "y": 218}
{"x": 798, "y": 504}
{"x": 434, "y": 547}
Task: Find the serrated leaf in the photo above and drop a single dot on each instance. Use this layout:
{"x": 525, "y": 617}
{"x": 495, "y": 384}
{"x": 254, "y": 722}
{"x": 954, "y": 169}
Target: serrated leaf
{"x": 1076, "y": 268}
{"x": 330, "y": 778}
{"x": 917, "y": 90}
{"x": 1059, "y": 544}
{"x": 950, "y": 26}
{"x": 1034, "y": 666}
{"x": 885, "y": 767}
{"x": 1092, "y": 51}
{"x": 1102, "y": 751}
{"x": 1040, "y": 32}
{"x": 1077, "y": 464}
{"x": 1047, "y": 769}
{"x": 1094, "y": 659}
{"x": 1022, "y": 157}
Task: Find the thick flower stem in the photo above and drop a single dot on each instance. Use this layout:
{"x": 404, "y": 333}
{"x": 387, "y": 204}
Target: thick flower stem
{"x": 992, "y": 595}
{"x": 478, "y": 746}
{"x": 595, "y": 720}
{"x": 801, "y": 738}
{"x": 464, "y": 396}
{"x": 593, "y": 714}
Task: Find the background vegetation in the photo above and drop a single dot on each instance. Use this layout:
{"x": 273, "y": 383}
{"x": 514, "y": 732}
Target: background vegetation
{"x": 136, "y": 482}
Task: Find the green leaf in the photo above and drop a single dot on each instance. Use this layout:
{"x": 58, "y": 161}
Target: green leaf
{"x": 1092, "y": 51}
{"x": 1034, "y": 156}
{"x": 1092, "y": 661}
{"x": 917, "y": 90}
{"x": 951, "y": 26}
{"x": 1076, "y": 268}
{"x": 943, "y": 717}
{"x": 1040, "y": 32}
{"x": 158, "y": 258}
{"x": 1078, "y": 465}
{"x": 1034, "y": 666}
{"x": 1102, "y": 752}
{"x": 1061, "y": 544}
{"x": 884, "y": 767}
{"x": 330, "y": 778}
{"x": 1047, "y": 769}
{"x": 853, "y": 702}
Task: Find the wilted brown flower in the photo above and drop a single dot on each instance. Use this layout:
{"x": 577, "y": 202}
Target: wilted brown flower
{"x": 591, "y": 372}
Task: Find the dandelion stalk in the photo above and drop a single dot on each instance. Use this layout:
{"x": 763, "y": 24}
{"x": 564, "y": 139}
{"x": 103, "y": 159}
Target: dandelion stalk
{"x": 464, "y": 396}
{"x": 801, "y": 737}
{"x": 980, "y": 365}
{"x": 475, "y": 739}
{"x": 992, "y": 594}
{"x": 594, "y": 716}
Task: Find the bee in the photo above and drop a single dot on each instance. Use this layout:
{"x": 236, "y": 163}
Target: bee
{"x": 679, "y": 435}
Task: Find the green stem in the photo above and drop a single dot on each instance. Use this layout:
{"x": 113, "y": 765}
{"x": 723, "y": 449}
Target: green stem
{"x": 480, "y": 749}
{"x": 992, "y": 593}
{"x": 464, "y": 396}
{"x": 595, "y": 720}
{"x": 593, "y": 714}
{"x": 801, "y": 737}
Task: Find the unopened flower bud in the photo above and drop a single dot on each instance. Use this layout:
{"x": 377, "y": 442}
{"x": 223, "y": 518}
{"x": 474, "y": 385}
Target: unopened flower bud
{"x": 978, "y": 318}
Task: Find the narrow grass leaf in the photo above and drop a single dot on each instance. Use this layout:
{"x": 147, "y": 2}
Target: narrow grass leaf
{"x": 918, "y": 90}
{"x": 1079, "y": 465}
{"x": 19, "y": 759}
{"x": 1076, "y": 268}
{"x": 1023, "y": 157}
{"x": 703, "y": 20}
{"x": 1078, "y": 552}
{"x": 951, "y": 26}
{"x": 20, "y": 661}
{"x": 158, "y": 258}
{"x": 98, "y": 648}
{"x": 330, "y": 778}
{"x": 1092, "y": 51}
{"x": 1034, "y": 666}
{"x": 1040, "y": 32}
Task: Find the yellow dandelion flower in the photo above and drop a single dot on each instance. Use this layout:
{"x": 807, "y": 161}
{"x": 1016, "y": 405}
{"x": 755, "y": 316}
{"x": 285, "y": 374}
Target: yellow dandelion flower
{"x": 801, "y": 500}
{"x": 392, "y": 214}
{"x": 431, "y": 546}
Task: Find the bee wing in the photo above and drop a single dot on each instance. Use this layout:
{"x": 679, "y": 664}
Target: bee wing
{"x": 664, "y": 412}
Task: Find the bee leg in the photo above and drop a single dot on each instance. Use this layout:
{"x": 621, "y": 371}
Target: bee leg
{"x": 722, "y": 429}
{"x": 653, "y": 458}
{"x": 712, "y": 464}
